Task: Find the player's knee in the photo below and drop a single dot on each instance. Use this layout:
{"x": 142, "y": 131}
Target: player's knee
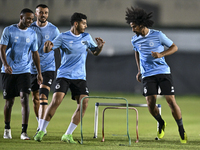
{"x": 43, "y": 101}
{"x": 44, "y": 91}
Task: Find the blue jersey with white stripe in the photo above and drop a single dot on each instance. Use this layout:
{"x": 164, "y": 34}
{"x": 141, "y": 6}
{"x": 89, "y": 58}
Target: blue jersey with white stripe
{"x": 74, "y": 52}
{"x": 19, "y": 43}
{"x": 47, "y": 60}
{"x": 153, "y": 41}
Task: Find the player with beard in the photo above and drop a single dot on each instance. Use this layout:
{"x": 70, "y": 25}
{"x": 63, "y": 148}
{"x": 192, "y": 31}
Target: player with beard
{"x": 45, "y": 31}
{"x": 74, "y": 45}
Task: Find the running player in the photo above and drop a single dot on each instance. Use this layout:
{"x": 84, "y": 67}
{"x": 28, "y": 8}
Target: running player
{"x": 152, "y": 67}
{"x": 74, "y": 44}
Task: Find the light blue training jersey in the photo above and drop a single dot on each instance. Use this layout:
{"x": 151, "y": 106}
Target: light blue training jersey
{"x": 19, "y": 43}
{"x": 47, "y": 60}
{"x": 74, "y": 50}
{"x": 153, "y": 41}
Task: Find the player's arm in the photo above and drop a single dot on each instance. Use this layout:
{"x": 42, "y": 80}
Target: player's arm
{"x": 8, "y": 69}
{"x": 36, "y": 60}
{"x": 98, "y": 49}
{"x": 172, "y": 49}
{"x": 47, "y": 46}
{"x": 137, "y": 58}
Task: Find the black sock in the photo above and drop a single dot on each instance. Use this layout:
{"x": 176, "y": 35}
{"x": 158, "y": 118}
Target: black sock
{"x": 180, "y": 128}
{"x": 24, "y": 127}
{"x": 7, "y": 125}
{"x": 159, "y": 119}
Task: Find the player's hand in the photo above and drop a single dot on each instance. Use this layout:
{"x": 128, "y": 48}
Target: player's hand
{"x": 100, "y": 42}
{"x": 39, "y": 79}
{"x": 47, "y": 46}
{"x": 8, "y": 69}
{"x": 139, "y": 77}
{"x": 156, "y": 54}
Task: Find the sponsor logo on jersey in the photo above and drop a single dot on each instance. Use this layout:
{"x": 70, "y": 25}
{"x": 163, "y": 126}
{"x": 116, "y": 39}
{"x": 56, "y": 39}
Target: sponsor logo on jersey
{"x": 16, "y": 38}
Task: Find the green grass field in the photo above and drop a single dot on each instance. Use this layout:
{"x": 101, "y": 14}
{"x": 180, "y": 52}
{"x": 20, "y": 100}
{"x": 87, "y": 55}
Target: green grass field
{"x": 115, "y": 126}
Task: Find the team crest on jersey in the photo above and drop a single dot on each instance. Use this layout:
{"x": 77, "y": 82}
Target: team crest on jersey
{"x": 46, "y": 36}
{"x": 27, "y": 40}
{"x": 151, "y": 43}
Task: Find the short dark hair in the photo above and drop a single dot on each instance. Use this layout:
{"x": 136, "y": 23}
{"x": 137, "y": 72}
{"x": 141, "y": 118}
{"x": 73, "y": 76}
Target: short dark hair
{"x": 25, "y": 10}
{"x": 42, "y": 5}
{"x": 139, "y": 17}
{"x": 77, "y": 17}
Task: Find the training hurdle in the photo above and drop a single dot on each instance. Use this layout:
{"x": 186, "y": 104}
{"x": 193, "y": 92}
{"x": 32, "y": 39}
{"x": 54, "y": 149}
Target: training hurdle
{"x": 100, "y": 97}
{"x": 137, "y": 135}
{"x": 97, "y": 104}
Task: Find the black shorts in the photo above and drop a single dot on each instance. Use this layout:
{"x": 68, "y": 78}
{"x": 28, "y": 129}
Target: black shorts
{"x": 48, "y": 78}
{"x": 13, "y": 84}
{"x": 77, "y": 87}
{"x": 153, "y": 83}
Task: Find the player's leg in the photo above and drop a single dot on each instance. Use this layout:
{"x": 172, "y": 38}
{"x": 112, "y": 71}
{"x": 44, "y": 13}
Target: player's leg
{"x": 176, "y": 112}
{"x": 24, "y": 87}
{"x": 50, "y": 111}
{"x": 153, "y": 109}
{"x": 150, "y": 85}
{"x": 67, "y": 137}
{"x": 35, "y": 95}
{"x": 48, "y": 78}
{"x": 60, "y": 90}
{"x": 36, "y": 102}
{"x": 25, "y": 114}
{"x": 8, "y": 83}
{"x": 7, "y": 117}
{"x": 79, "y": 91}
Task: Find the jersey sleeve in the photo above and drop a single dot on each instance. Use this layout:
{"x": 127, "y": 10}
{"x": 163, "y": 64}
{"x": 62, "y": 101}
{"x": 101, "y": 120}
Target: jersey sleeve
{"x": 165, "y": 40}
{"x": 5, "y": 37}
{"x": 91, "y": 45}
{"x": 134, "y": 47}
{"x": 57, "y": 42}
{"x": 34, "y": 45}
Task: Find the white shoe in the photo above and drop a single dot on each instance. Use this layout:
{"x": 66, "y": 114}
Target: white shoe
{"x": 24, "y": 136}
{"x": 7, "y": 134}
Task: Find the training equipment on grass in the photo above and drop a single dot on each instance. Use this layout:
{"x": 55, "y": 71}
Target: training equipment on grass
{"x": 97, "y": 104}
{"x": 100, "y": 97}
{"x": 137, "y": 135}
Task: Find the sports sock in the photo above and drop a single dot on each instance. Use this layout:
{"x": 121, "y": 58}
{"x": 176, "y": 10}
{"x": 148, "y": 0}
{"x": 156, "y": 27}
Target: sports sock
{"x": 180, "y": 128}
{"x": 43, "y": 124}
{"x": 159, "y": 119}
{"x": 7, "y": 125}
{"x": 71, "y": 128}
{"x": 24, "y": 127}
